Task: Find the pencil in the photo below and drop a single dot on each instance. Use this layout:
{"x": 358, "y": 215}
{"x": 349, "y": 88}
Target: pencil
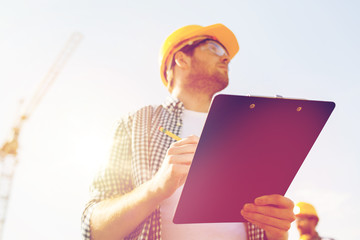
{"x": 170, "y": 134}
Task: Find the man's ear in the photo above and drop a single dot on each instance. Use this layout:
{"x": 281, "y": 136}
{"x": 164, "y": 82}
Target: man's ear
{"x": 181, "y": 60}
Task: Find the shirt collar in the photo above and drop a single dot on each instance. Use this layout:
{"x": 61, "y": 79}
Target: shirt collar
{"x": 172, "y": 104}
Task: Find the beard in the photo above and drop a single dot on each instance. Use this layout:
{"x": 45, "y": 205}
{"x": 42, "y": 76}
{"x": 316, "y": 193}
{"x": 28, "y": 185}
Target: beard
{"x": 304, "y": 230}
{"x": 205, "y": 79}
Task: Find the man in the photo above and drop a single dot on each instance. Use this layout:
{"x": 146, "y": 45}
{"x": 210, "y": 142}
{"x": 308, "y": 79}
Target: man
{"x": 135, "y": 196}
{"x": 306, "y": 221}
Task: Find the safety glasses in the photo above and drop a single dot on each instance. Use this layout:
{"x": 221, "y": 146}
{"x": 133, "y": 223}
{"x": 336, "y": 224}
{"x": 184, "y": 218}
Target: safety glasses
{"x": 204, "y": 44}
{"x": 214, "y": 47}
{"x": 308, "y": 218}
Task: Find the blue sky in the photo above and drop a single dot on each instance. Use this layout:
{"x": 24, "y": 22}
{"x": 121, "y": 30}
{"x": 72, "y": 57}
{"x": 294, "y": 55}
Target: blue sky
{"x": 300, "y": 49}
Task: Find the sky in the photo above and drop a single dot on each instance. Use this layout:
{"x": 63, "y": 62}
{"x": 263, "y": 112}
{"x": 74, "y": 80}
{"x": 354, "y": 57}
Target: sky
{"x": 297, "y": 49}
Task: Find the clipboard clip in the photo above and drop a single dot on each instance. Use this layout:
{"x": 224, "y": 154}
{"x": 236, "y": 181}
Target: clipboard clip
{"x": 276, "y": 96}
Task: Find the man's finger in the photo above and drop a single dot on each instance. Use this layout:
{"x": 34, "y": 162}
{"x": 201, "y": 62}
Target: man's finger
{"x": 185, "y": 159}
{"x": 275, "y": 212}
{"x": 187, "y": 140}
{"x": 266, "y": 220}
{"x": 276, "y": 200}
{"x": 182, "y": 149}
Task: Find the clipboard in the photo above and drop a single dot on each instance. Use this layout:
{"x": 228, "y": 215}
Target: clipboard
{"x": 249, "y": 147}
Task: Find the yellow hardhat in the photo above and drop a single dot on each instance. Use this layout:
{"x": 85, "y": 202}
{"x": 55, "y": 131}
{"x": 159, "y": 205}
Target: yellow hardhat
{"x": 190, "y": 33}
{"x": 305, "y": 209}
{"x": 305, "y": 237}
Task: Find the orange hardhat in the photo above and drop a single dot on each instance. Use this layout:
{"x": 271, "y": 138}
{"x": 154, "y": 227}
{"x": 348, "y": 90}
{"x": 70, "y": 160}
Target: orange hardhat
{"x": 187, "y": 35}
{"x": 305, "y": 209}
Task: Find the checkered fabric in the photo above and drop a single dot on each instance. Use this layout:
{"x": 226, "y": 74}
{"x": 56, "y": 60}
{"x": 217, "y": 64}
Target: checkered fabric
{"x": 137, "y": 153}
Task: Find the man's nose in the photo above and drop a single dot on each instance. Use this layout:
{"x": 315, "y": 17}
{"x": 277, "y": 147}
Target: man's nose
{"x": 225, "y": 59}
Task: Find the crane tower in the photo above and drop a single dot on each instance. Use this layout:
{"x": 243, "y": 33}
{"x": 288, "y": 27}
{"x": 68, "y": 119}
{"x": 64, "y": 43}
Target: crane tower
{"x": 9, "y": 150}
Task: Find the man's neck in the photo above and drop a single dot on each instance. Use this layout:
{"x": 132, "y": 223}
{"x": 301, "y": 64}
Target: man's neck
{"x": 193, "y": 101}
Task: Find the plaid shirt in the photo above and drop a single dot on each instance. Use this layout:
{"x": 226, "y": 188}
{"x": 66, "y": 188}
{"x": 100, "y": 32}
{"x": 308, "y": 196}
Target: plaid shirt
{"x": 137, "y": 153}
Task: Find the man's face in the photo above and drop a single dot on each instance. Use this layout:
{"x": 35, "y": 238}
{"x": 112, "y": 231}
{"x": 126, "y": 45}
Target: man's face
{"x": 209, "y": 67}
{"x": 306, "y": 225}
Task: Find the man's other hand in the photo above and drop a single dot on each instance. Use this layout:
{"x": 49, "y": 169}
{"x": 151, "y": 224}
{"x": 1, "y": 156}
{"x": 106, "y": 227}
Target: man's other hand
{"x": 273, "y": 213}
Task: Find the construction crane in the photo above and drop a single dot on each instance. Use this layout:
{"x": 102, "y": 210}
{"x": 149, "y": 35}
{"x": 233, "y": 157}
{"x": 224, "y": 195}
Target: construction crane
{"x": 9, "y": 150}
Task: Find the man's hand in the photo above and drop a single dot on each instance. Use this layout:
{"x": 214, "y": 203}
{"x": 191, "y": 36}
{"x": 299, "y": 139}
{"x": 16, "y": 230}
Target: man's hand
{"x": 174, "y": 170}
{"x": 131, "y": 209}
{"x": 273, "y": 213}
